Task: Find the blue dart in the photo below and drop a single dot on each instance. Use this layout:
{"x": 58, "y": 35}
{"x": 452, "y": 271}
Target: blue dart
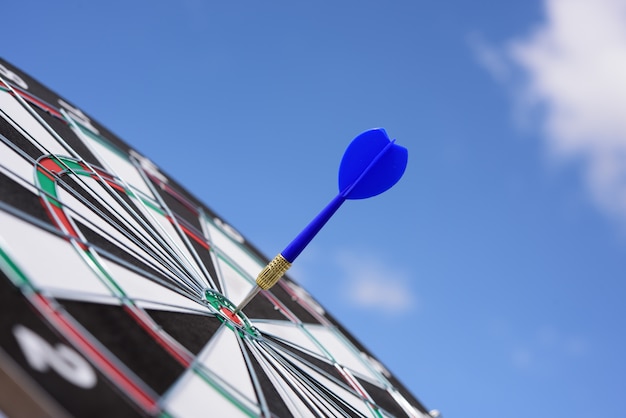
{"x": 371, "y": 165}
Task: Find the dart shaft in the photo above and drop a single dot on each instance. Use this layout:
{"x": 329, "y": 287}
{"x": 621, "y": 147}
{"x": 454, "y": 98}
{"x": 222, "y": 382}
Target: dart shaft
{"x": 303, "y": 239}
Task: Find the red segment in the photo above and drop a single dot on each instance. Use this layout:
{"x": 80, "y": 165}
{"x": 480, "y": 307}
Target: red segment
{"x": 39, "y": 103}
{"x": 51, "y": 166}
{"x": 194, "y": 236}
{"x": 103, "y": 175}
{"x": 131, "y": 388}
{"x": 231, "y": 315}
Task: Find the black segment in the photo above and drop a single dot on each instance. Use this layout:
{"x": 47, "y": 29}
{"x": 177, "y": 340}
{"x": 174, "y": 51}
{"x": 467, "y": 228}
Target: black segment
{"x": 9, "y": 132}
{"x": 192, "y": 331}
{"x": 18, "y": 197}
{"x": 69, "y": 136}
{"x": 128, "y": 341}
{"x": 297, "y": 309}
{"x": 383, "y": 399}
{"x": 274, "y": 401}
{"x": 262, "y": 308}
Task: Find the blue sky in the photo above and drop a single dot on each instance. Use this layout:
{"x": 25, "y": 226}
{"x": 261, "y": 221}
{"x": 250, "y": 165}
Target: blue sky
{"x": 490, "y": 279}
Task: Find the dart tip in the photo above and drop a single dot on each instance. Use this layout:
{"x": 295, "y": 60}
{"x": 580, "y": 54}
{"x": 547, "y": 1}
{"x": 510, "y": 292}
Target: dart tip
{"x": 247, "y": 299}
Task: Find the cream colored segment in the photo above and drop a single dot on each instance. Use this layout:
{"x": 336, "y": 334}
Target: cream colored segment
{"x": 192, "y": 397}
{"x": 16, "y": 167}
{"x": 140, "y": 289}
{"x": 48, "y": 261}
{"x": 236, "y": 287}
{"x": 341, "y": 349}
{"x": 181, "y": 248}
{"x": 224, "y": 358}
{"x": 24, "y": 122}
{"x": 249, "y": 264}
{"x": 290, "y": 332}
{"x": 120, "y": 166}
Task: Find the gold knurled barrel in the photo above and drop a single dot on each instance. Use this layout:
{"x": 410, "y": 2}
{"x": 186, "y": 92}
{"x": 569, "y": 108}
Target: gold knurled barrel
{"x": 272, "y": 272}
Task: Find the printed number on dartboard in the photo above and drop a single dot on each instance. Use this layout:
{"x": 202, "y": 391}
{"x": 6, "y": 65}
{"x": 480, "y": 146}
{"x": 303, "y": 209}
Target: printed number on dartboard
{"x": 59, "y": 358}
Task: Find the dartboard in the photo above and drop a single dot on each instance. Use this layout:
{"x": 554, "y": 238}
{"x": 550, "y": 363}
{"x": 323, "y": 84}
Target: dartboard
{"x": 118, "y": 291}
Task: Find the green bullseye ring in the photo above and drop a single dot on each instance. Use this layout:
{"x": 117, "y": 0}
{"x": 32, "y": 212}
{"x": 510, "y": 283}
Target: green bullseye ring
{"x": 226, "y": 314}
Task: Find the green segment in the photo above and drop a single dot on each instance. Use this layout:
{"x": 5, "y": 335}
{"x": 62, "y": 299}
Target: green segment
{"x": 16, "y": 275}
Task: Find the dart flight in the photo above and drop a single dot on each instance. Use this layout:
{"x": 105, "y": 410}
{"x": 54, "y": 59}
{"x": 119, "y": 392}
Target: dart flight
{"x": 371, "y": 164}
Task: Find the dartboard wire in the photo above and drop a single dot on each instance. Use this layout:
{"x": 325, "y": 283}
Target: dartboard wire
{"x": 189, "y": 294}
{"x": 69, "y": 149}
{"x": 172, "y": 244}
{"x": 179, "y": 273}
{"x": 347, "y": 374}
{"x": 291, "y": 376}
{"x": 276, "y": 347}
{"x": 168, "y": 269}
{"x": 337, "y": 400}
{"x": 348, "y": 383}
{"x": 169, "y": 265}
{"x": 298, "y": 380}
{"x": 271, "y": 372}
{"x": 208, "y": 280}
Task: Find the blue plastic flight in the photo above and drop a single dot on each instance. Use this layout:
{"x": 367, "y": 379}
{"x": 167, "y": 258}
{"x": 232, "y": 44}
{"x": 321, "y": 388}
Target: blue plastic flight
{"x": 371, "y": 165}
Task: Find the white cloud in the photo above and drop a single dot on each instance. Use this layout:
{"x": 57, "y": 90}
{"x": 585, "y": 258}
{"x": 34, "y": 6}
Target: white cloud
{"x": 372, "y": 284}
{"x": 574, "y": 69}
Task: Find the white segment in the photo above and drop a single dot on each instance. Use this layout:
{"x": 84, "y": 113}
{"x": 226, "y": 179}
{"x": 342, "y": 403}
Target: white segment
{"x": 290, "y": 332}
{"x": 249, "y": 264}
{"x": 193, "y": 397}
{"x": 14, "y": 165}
{"x": 120, "y": 166}
{"x": 223, "y": 357}
{"x": 236, "y": 287}
{"x": 48, "y": 261}
{"x": 24, "y": 122}
{"x": 178, "y": 244}
{"x": 137, "y": 286}
{"x": 341, "y": 349}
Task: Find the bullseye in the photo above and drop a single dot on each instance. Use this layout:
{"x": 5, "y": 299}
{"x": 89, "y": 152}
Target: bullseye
{"x": 231, "y": 315}
{"x": 226, "y": 313}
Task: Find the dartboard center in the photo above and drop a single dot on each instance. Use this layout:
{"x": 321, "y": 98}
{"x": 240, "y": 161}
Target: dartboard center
{"x": 226, "y": 313}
